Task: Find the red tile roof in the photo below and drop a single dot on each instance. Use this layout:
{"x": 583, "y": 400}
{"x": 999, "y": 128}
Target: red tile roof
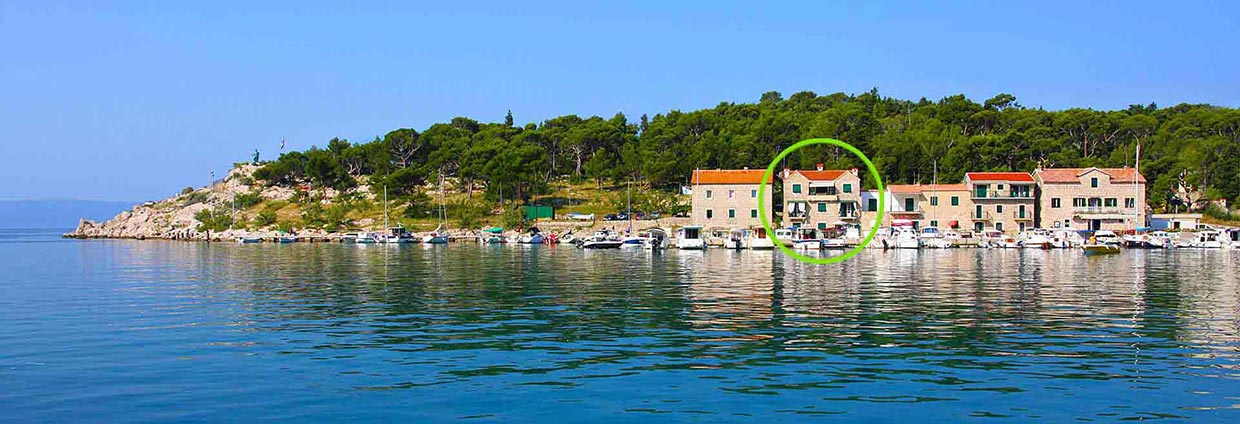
{"x": 925, "y": 188}
{"x": 1017, "y": 177}
{"x": 727, "y": 176}
{"x": 1073, "y": 175}
{"x": 824, "y": 175}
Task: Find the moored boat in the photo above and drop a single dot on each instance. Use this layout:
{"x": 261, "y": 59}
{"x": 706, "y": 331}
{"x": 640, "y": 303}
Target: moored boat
{"x": 760, "y": 240}
{"x": 690, "y": 238}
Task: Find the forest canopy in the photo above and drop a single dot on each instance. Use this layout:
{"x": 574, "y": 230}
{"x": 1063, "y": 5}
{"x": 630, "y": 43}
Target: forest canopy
{"x": 1198, "y": 145}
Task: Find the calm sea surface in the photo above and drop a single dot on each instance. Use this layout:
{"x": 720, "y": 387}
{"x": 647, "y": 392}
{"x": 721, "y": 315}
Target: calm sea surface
{"x": 121, "y": 331}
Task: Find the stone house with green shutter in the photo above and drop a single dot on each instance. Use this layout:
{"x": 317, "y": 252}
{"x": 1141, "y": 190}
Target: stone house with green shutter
{"x": 821, "y": 198}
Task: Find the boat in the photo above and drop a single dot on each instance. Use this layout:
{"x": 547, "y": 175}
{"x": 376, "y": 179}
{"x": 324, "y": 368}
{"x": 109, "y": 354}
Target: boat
{"x": 785, "y": 236}
{"x": 1099, "y": 248}
{"x": 1231, "y": 239}
{"x": 996, "y": 239}
{"x": 690, "y": 238}
{"x": 435, "y": 237}
{"x": 933, "y": 238}
{"x": 640, "y": 240}
{"x": 807, "y": 239}
{"x": 759, "y": 240}
{"x": 1106, "y": 237}
{"x": 1064, "y": 238}
{"x": 658, "y": 239}
{"x": 568, "y": 237}
{"x": 365, "y": 237}
{"x": 493, "y": 235}
{"x": 735, "y": 239}
{"x": 1034, "y": 239}
{"x": 904, "y": 237}
{"x": 601, "y": 239}
{"x": 1144, "y": 241}
{"x": 248, "y": 240}
{"x": 1204, "y": 239}
{"x": 399, "y": 235}
{"x": 533, "y": 236}
{"x": 286, "y": 239}
{"x": 835, "y": 238}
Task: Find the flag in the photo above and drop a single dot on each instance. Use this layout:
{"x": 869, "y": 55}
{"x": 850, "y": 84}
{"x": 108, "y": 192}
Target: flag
{"x": 281, "y": 144}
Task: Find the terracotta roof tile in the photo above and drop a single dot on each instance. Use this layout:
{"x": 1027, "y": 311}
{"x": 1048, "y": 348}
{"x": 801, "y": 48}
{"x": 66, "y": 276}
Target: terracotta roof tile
{"x": 728, "y": 176}
{"x": 1072, "y": 175}
{"x": 824, "y": 175}
{"x": 1018, "y": 177}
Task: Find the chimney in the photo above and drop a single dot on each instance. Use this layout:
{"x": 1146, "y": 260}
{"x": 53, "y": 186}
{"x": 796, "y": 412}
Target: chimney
{"x": 819, "y": 166}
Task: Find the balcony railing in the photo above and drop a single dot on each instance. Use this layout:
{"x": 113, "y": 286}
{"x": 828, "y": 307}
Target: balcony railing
{"x": 1002, "y": 195}
{"x": 1108, "y": 210}
{"x": 850, "y": 214}
{"x": 984, "y": 216}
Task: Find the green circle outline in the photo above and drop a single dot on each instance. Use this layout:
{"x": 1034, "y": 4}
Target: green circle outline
{"x": 770, "y": 171}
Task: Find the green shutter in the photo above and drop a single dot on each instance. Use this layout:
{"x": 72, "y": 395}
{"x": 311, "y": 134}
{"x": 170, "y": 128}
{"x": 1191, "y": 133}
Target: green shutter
{"x": 955, "y": 200}
{"x": 753, "y": 213}
{"x": 848, "y": 188}
{"x": 796, "y": 188}
{"x": 822, "y": 207}
{"x": 934, "y": 201}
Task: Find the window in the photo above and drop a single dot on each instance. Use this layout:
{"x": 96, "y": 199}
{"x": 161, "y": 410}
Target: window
{"x": 753, "y": 213}
{"x": 1078, "y": 202}
{"x": 910, "y": 205}
{"x": 977, "y": 211}
{"x": 822, "y": 225}
{"x": 731, "y": 213}
{"x": 1022, "y": 227}
{"x": 753, "y": 194}
{"x": 1020, "y": 212}
{"x": 980, "y": 190}
{"x": 872, "y": 205}
{"x": 822, "y": 206}
{"x": 822, "y": 190}
{"x": 1055, "y": 202}
{"x": 934, "y": 201}
{"x": 998, "y": 208}
{"x": 710, "y": 213}
{"x": 1093, "y": 182}
{"x": 1111, "y": 202}
{"x": 999, "y": 187}
{"x": 707, "y": 194}
{"x": 1130, "y": 203}
{"x": 955, "y": 200}
{"x": 934, "y": 223}
{"x": 848, "y": 188}
{"x": 999, "y": 226}
{"x": 731, "y": 194}
{"x": 796, "y": 188}
{"x": 977, "y": 226}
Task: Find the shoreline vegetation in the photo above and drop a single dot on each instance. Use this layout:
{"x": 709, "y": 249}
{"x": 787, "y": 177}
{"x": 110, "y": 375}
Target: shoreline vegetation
{"x": 592, "y": 165}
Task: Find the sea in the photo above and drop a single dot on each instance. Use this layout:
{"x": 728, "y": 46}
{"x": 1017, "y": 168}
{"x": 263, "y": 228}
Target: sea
{"x": 174, "y": 331}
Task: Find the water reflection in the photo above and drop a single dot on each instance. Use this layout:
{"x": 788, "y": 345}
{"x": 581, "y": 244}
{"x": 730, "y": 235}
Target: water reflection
{"x": 1028, "y": 334}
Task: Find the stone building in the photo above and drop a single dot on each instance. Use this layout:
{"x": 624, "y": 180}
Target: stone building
{"x": 936, "y": 205}
{"x": 821, "y": 198}
{"x": 728, "y": 198}
{"x": 1090, "y": 198}
{"x": 1002, "y": 201}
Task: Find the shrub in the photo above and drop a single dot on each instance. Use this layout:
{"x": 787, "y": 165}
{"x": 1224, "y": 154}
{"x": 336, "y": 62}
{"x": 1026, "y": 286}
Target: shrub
{"x": 218, "y": 219}
{"x": 187, "y": 190}
{"x": 246, "y": 200}
{"x": 265, "y": 218}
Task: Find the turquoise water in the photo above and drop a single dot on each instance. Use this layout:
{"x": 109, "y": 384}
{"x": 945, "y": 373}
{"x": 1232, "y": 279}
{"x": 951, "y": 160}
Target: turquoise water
{"x": 139, "y": 331}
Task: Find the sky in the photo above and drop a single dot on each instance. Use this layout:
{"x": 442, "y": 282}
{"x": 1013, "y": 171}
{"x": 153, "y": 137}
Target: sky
{"x": 133, "y": 101}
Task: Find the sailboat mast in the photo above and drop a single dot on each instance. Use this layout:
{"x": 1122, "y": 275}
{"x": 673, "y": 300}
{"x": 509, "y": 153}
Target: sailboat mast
{"x": 385, "y": 207}
{"x": 1136, "y": 191}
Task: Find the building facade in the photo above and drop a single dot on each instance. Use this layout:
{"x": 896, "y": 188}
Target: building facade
{"x": 821, "y": 198}
{"x": 935, "y": 205}
{"x": 1091, "y": 198}
{"x": 1001, "y": 201}
{"x": 728, "y": 198}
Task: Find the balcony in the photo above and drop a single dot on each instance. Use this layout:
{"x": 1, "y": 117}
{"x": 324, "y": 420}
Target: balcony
{"x": 798, "y": 215}
{"x": 835, "y": 198}
{"x": 1002, "y": 195}
{"x": 849, "y": 215}
{"x": 1103, "y": 212}
{"x": 917, "y": 211}
{"x": 984, "y": 216}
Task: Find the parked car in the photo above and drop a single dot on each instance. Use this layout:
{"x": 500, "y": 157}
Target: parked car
{"x": 609, "y": 217}
{"x": 622, "y": 216}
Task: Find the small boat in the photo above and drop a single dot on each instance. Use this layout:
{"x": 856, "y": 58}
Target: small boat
{"x": 435, "y": 237}
{"x": 568, "y": 237}
{"x": 1204, "y": 239}
{"x": 785, "y": 236}
{"x": 365, "y": 237}
{"x": 248, "y": 240}
{"x": 601, "y": 239}
{"x": 690, "y": 238}
{"x": 534, "y": 236}
{"x": 1099, "y": 248}
{"x": 835, "y": 238}
{"x": 1034, "y": 239}
{"x": 1231, "y": 239}
{"x": 639, "y": 240}
{"x": 735, "y": 239}
{"x": 1106, "y": 237}
{"x": 1144, "y": 241}
{"x": 932, "y": 238}
{"x": 904, "y": 237}
{"x": 286, "y": 239}
{"x": 398, "y": 235}
{"x": 758, "y": 240}
{"x": 1064, "y": 238}
{"x": 658, "y": 239}
{"x": 996, "y": 239}
{"x": 807, "y": 239}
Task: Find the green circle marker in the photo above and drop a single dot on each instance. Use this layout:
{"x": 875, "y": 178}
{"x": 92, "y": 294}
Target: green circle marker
{"x": 770, "y": 171}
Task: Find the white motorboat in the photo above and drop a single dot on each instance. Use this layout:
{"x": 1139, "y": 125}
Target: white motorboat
{"x": 1145, "y": 241}
{"x": 996, "y": 239}
{"x": 785, "y": 236}
{"x": 735, "y": 239}
{"x": 1106, "y": 237}
{"x": 366, "y": 237}
{"x": 641, "y": 240}
{"x": 932, "y": 238}
{"x": 1204, "y": 239}
{"x": 658, "y": 239}
{"x": 904, "y": 237}
{"x": 1231, "y": 238}
{"x": 601, "y": 239}
{"x": 759, "y": 240}
{"x": 1064, "y": 238}
{"x": 399, "y": 235}
{"x": 690, "y": 238}
{"x": 807, "y": 239}
{"x": 1034, "y": 239}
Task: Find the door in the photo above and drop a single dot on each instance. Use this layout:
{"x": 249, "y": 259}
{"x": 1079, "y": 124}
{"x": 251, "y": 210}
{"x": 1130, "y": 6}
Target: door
{"x": 1095, "y": 224}
{"x": 908, "y": 204}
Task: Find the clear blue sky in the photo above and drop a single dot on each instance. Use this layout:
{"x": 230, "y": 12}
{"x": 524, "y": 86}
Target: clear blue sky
{"x": 134, "y": 101}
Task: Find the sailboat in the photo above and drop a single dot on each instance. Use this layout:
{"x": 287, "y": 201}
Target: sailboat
{"x": 397, "y": 234}
{"x": 437, "y": 236}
